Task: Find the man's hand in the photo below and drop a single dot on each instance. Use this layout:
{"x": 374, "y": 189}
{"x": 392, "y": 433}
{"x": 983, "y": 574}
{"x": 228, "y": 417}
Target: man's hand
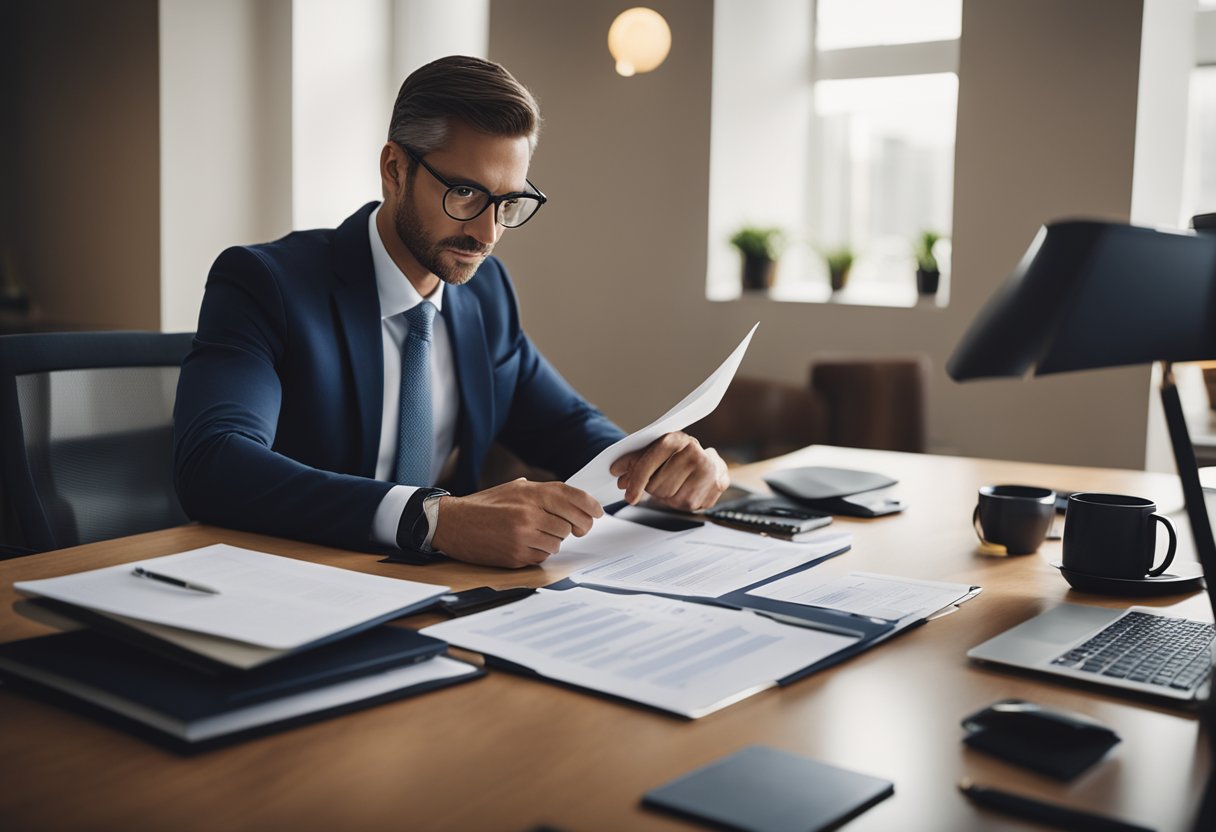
{"x": 675, "y": 470}
{"x": 518, "y": 523}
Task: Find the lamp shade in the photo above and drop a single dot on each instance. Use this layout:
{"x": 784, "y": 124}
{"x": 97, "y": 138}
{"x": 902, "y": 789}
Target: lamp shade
{"x": 1091, "y": 294}
{"x": 639, "y": 39}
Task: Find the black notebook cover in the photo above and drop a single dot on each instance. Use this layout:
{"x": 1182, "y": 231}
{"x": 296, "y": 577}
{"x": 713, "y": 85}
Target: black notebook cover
{"x": 760, "y": 789}
{"x": 105, "y": 678}
{"x": 181, "y": 693}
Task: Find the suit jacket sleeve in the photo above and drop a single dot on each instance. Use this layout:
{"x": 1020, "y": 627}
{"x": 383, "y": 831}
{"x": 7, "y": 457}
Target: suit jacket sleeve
{"x": 226, "y": 416}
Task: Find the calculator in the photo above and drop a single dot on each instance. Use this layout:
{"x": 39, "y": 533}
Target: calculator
{"x": 775, "y": 515}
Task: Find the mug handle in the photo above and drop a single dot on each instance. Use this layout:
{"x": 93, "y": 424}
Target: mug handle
{"x": 1169, "y": 554}
{"x": 975, "y": 523}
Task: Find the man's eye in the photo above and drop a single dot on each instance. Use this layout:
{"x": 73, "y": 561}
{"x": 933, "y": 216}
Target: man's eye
{"x": 463, "y": 192}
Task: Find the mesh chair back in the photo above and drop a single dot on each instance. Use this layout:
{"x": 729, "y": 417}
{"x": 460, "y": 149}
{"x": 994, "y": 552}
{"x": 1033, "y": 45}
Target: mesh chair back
{"x": 88, "y": 436}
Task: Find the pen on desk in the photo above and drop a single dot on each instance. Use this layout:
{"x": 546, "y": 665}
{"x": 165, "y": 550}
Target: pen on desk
{"x": 1047, "y": 814}
{"x": 140, "y": 572}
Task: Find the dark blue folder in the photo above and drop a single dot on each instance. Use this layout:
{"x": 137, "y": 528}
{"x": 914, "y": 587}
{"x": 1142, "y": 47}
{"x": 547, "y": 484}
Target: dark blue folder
{"x": 91, "y": 672}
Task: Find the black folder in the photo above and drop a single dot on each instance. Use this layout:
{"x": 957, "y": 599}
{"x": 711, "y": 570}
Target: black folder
{"x": 164, "y": 701}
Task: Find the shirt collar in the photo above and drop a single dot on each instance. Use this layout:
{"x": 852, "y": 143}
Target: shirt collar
{"x": 396, "y": 292}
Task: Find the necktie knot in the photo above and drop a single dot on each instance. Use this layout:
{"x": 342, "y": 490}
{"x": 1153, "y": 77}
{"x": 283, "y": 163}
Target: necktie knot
{"x": 421, "y": 320}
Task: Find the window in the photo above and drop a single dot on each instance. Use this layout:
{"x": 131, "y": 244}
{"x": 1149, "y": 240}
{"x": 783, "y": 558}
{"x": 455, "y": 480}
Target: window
{"x": 885, "y": 91}
{"x": 1199, "y": 184}
{"x": 833, "y": 120}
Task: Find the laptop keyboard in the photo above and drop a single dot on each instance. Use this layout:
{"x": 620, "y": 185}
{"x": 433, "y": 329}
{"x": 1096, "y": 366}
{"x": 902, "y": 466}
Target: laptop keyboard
{"x": 1153, "y": 649}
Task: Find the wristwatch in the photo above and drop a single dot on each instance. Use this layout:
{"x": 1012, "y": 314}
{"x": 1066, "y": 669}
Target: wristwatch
{"x": 417, "y": 525}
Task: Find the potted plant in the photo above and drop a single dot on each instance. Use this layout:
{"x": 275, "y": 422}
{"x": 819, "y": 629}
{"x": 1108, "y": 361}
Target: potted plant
{"x": 928, "y": 275}
{"x": 760, "y": 248}
{"x": 840, "y": 261}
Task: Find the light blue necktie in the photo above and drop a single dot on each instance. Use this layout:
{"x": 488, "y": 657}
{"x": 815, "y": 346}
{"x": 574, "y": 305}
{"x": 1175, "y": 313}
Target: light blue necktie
{"x": 415, "y": 432}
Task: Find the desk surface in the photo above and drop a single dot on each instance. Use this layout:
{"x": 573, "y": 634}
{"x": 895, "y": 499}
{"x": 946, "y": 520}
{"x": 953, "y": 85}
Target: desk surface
{"x": 511, "y": 753}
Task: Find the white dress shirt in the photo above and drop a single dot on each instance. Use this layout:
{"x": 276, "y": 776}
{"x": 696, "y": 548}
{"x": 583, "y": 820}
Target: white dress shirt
{"x": 397, "y": 295}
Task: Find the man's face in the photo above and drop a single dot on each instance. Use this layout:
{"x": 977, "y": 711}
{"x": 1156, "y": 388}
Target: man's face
{"x": 450, "y": 249}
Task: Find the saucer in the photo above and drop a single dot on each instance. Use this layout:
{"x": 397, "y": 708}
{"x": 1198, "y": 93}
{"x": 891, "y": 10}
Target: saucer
{"x": 1183, "y": 577}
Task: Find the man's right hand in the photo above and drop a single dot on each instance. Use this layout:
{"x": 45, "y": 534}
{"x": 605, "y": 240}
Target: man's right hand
{"x": 519, "y": 523}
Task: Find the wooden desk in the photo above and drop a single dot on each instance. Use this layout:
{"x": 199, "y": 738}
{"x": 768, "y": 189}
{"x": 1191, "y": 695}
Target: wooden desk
{"x": 510, "y": 753}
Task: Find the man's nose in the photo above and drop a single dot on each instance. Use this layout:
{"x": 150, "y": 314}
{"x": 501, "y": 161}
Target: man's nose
{"x": 484, "y": 228}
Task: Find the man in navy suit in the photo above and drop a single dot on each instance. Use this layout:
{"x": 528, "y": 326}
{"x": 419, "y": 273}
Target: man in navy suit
{"x": 339, "y": 375}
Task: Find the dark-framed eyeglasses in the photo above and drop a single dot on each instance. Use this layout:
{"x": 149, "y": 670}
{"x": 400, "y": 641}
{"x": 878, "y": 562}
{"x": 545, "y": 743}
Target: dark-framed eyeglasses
{"x": 466, "y": 201}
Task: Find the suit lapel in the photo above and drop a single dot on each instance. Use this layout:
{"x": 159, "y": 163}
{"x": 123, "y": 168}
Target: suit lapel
{"x": 472, "y": 358}
{"x": 357, "y": 313}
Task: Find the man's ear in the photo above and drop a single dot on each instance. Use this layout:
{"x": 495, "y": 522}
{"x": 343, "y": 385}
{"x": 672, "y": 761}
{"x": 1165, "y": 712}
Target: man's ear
{"x": 393, "y": 169}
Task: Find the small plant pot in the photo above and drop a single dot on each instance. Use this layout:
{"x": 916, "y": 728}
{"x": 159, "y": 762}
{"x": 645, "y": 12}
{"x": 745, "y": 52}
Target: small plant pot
{"x": 838, "y": 279}
{"x": 928, "y": 281}
{"x": 759, "y": 273}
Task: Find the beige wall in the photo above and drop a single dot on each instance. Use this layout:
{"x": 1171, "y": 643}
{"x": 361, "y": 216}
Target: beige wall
{"x": 612, "y": 274}
{"x": 82, "y": 204}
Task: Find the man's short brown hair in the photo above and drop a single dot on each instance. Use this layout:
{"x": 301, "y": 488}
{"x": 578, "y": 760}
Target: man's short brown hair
{"x": 480, "y": 93}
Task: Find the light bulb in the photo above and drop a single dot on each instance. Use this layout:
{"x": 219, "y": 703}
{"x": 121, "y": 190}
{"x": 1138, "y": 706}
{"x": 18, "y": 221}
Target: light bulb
{"x": 639, "y": 39}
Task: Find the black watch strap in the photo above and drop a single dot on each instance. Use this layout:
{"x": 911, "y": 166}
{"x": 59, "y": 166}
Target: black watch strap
{"x": 413, "y": 527}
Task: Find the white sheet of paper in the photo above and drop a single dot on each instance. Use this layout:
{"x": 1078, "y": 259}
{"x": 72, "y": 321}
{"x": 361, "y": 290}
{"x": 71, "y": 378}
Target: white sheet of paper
{"x": 594, "y": 477}
{"x": 863, "y": 593}
{"x": 682, "y": 657}
{"x": 264, "y": 599}
{"x": 706, "y": 562}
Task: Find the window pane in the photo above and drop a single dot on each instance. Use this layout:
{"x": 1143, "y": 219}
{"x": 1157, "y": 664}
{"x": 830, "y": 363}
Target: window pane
{"x": 884, "y": 164}
{"x": 1200, "y": 176}
{"x": 841, "y": 24}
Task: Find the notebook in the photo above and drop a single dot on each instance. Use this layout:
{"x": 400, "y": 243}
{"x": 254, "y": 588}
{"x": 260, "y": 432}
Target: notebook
{"x": 762, "y": 789}
{"x": 274, "y": 603}
{"x": 187, "y": 710}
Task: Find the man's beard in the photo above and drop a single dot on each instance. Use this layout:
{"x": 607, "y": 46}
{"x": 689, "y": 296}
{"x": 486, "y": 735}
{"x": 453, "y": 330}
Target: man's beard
{"x": 428, "y": 254}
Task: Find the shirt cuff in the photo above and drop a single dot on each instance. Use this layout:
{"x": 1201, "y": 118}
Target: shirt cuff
{"x": 388, "y": 515}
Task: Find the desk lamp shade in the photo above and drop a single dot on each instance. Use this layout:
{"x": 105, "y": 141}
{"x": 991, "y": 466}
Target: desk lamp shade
{"x": 1099, "y": 294}
{"x": 1096, "y": 294}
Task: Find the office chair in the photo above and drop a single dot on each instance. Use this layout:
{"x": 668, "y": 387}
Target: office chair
{"x": 86, "y": 437}
{"x": 873, "y": 402}
{"x": 760, "y": 418}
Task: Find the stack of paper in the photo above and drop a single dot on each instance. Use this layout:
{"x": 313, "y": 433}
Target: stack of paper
{"x": 222, "y": 641}
{"x": 687, "y": 658}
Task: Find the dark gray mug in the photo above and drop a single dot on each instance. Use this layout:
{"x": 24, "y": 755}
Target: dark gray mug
{"x": 1014, "y": 516}
{"x": 1115, "y": 536}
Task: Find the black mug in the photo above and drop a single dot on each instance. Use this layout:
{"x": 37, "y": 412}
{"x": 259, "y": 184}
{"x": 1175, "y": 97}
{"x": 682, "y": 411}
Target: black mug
{"x": 1014, "y": 516}
{"x": 1114, "y": 536}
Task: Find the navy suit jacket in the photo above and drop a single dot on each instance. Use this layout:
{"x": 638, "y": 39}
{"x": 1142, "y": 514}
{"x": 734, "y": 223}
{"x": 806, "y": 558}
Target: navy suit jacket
{"x": 279, "y": 404}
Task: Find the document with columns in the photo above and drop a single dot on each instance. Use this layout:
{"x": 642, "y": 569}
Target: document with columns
{"x": 686, "y": 658}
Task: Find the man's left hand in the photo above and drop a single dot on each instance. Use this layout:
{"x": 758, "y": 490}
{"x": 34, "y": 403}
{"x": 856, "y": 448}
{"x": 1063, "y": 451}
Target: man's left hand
{"x": 675, "y": 470}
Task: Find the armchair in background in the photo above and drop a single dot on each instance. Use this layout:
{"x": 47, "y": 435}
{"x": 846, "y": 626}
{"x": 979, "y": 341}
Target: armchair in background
{"x": 873, "y": 402}
{"x": 854, "y": 401}
{"x": 86, "y": 437}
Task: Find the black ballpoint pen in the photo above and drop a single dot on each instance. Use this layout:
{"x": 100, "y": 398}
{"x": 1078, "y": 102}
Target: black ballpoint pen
{"x": 1047, "y": 814}
{"x": 140, "y": 572}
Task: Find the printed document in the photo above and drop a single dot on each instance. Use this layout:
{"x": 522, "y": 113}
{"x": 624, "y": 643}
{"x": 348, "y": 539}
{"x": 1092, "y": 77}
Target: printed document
{"x": 687, "y": 658}
{"x": 706, "y": 562}
{"x": 883, "y": 597}
{"x": 594, "y": 477}
{"x": 265, "y": 600}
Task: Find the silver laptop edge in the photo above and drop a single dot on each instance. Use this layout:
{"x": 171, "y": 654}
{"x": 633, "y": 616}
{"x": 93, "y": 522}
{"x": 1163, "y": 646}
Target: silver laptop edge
{"x": 1033, "y": 644}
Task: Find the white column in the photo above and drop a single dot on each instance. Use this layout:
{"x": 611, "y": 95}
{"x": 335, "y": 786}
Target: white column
{"x": 225, "y": 138}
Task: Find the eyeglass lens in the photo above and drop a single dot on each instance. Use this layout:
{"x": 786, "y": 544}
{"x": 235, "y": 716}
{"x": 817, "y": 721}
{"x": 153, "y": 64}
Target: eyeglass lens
{"x": 464, "y": 203}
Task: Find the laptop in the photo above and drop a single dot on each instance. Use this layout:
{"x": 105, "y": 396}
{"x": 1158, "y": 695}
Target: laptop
{"x": 1138, "y": 649}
